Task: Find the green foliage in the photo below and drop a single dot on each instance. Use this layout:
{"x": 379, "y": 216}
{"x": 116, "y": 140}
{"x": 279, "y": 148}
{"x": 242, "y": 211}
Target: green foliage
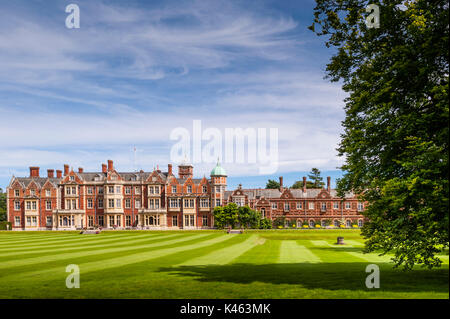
{"x": 316, "y": 179}
{"x": 232, "y": 215}
{"x": 299, "y": 184}
{"x": 3, "y": 225}
{"x": 2, "y": 205}
{"x": 265, "y": 223}
{"x": 279, "y": 221}
{"x": 271, "y": 184}
{"x": 396, "y": 129}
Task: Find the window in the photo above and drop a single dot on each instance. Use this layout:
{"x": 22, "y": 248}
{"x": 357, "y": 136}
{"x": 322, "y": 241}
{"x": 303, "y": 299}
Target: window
{"x": 16, "y": 205}
{"x": 32, "y": 192}
{"x": 128, "y": 190}
{"x": 111, "y": 221}
{"x": 348, "y": 223}
{"x": 263, "y": 213}
{"x": 74, "y": 190}
{"x": 347, "y": 205}
{"x": 175, "y": 221}
{"x": 153, "y": 203}
{"x": 17, "y": 221}
{"x": 156, "y": 189}
{"x": 117, "y": 189}
{"x": 34, "y": 221}
{"x": 204, "y": 202}
{"x": 127, "y": 203}
{"x": 90, "y": 203}
{"x": 174, "y": 203}
{"x": 274, "y": 206}
{"x": 323, "y": 206}
{"x": 336, "y": 223}
{"x": 217, "y": 202}
{"x": 111, "y": 203}
{"x": 189, "y": 189}
{"x": 28, "y": 205}
{"x": 360, "y": 206}
{"x": 336, "y": 205}
{"x": 217, "y": 189}
{"x": 310, "y": 205}
{"x": 48, "y": 205}
{"x": 100, "y": 220}
{"x": 28, "y": 221}
{"x": 111, "y": 189}
{"x": 47, "y": 193}
{"x": 299, "y": 205}
{"x": 205, "y": 221}
{"x": 137, "y": 190}
{"x": 189, "y": 220}
{"x": 100, "y": 203}
{"x": 72, "y": 178}
{"x": 189, "y": 203}
{"x": 128, "y": 221}
{"x": 90, "y": 190}
{"x": 205, "y": 189}
{"x": 311, "y": 223}
{"x": 74, "y": 204}
{"x": 118, "y": 203}
{"x": 17, "y": 192}
{"x": 286, "y": 206}
{"x": 137, "y": 203}
{"x": 324, "y": 223}
{"x": 90, "y": 221}
{"x": 100, "y": 190}
{"x": 151, "y": 190}
{"x": 68, "y": 190}
{"x": 174, "y": 189}
{"x": 34, "y": 205}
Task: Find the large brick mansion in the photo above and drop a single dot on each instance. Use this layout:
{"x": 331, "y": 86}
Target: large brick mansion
{"x": 159, "y": 200}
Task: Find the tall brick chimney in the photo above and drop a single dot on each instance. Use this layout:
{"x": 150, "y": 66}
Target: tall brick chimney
{"x": 110, "y": 165}
{"x": 169, "y": 169}
{"x": 328, "y": 183}
{"x": 66, "y": 169}
{"x": 50, "y": 173}
{"x": 104, "y": 169}
{"x": 80, "y": 170}
{"x": 34, "y": 171}
{"x": 281, "y": 182}
{"x": 304, "y": 184}
{"x": 58, "y": 173}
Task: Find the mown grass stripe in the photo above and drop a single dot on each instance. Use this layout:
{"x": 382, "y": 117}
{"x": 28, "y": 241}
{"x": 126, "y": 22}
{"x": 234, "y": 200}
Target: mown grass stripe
{"x": 51, "y": 258}
{"x": 354, "y": 243}
{"x": 292, "y": 252}
{"x": 71, "y": 242}
{"x": 115, "y": 262}
{"x": 105, "y": 243}
{"x": 265, "y": 252}
{"x": 371, "y": 257}
{"x": 74, "y": 238}
{"x": 224, "y": 255}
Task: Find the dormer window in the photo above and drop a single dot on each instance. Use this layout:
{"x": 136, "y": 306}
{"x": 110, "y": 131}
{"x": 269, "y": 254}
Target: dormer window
{"x": 32, "y": 192}
{"x": 72, "y": 178}
{"x": 47, "y": 193}
{"x": 174, "y": 189}
{"x": 189, "y": 189}
{"x": 17, "y": 192}
{"x": 205, "y": 189}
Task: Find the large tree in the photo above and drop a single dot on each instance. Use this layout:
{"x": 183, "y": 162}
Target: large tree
{"x": 396, "y": 128}
{"x": 2, "y": 205}
{"x": 316, "y": 178}
{"x": 271, "y": 184}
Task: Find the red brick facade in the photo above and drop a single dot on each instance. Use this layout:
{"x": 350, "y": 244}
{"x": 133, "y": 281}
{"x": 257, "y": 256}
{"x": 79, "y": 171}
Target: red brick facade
{"x": 157, "y": 200}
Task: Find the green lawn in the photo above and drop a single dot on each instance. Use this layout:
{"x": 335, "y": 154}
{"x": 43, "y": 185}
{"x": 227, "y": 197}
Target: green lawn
{"x": 205, "y": 264}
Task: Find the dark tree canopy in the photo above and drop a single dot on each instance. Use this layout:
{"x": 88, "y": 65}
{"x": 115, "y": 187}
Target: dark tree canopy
{"x": 2, "y": 205}
{"x": 299, "y": 184}
{"x": 316, "y": 179}
{"x": 396, "y": 128}
{"x": 271, "y": 184}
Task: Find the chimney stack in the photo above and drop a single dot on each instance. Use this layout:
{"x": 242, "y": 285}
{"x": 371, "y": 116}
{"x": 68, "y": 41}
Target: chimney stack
{"x": 169, "y": 168}
{"x": 281, "y": 182}
{"x": 110, "y": 165}
{"x": 80, "y": 170}
{"x": 66, "y": 169}
{"x": 304, "y": 184}
{"x": 34, "y": 171}
{"x": 328, "y": 183}
{"x": 50, "y": 173}
{"x": 104, "y": 169}
{"x": 58, "y": 173}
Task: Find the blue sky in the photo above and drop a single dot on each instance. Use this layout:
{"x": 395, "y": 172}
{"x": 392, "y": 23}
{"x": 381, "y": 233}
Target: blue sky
{"x": 136, "y": 70}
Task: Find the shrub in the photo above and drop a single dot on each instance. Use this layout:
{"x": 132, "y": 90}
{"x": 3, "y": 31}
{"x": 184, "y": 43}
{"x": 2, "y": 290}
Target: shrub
{"x": 265, "y": 223}
{"x": 3, "y": 225}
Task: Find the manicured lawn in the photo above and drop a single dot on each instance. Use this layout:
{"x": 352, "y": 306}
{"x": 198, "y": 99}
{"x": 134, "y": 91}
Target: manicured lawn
{"x": 205, "y": 264}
